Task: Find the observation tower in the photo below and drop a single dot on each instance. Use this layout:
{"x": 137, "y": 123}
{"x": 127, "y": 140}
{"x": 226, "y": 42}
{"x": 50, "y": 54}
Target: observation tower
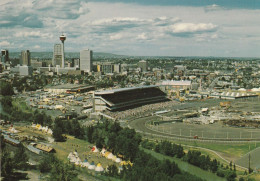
{"x": 62, "y": 39}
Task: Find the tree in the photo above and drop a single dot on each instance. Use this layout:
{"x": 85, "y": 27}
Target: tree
{"x": 57, "y": 134}
{"x": 241, "y": 179}
{"x": 2, "y": 144}
{"x": 6, "y": 89}
{"x": 214, "y": 166}
{"x": 47, "y": 163}
{"x": 63, "y": 172}
{"x": 6, "y": 102}
{"x": 90, "y": 131}
{"x": 7, "y": 166}
{"x": 20, "y": 158}
{"x": 170, "y": 168}
{"x": 231, "y": 176}
{"x": 78, "y": 132}
{"x": 112, "y": 171}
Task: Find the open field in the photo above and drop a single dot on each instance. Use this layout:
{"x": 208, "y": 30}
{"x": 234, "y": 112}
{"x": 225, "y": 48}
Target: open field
{"x": 184, "y": 166}
{"x": 254, "y": 159}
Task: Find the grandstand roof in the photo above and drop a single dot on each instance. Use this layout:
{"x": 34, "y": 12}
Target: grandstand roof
{"x": 122, "y": 90}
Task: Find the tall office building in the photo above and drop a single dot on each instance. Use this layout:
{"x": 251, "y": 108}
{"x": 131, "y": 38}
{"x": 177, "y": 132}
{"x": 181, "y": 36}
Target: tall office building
{"x": 86, "y": 60}
{"x": 57, "y": 55}
{"x": 25, "y": 58}
{"x": 4, "y": 56}
{"x": 143, "y": 65}
{"x": 75, "y": 62}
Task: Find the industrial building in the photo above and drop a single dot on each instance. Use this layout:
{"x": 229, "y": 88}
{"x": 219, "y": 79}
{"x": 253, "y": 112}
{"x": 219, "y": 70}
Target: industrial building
{"x": 125, "y": 98}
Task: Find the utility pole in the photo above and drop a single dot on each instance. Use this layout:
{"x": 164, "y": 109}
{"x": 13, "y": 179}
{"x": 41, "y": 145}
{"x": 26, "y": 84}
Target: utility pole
{"x": 249, "y": 163}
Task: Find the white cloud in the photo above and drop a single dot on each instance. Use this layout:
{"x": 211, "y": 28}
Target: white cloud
{"x": 116, "y": 20}
{"x": 192, "y": 28}
{"x": 143, "y": 36}
{"x": 131, "y": 28}
{"x": 116, "y": 36}
{"x": 33, "y": 34}
{"x": 213, "y": 7}
{"x": 4, "y": 44}
{"x": 37, "y": 47}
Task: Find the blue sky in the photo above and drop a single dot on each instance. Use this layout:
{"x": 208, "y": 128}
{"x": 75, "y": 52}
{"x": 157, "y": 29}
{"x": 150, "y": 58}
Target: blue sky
{"x": 226, "y": 28}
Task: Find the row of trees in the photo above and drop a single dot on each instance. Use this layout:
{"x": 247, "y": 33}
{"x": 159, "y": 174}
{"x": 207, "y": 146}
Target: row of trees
{"x": 71, "y": 127}
{"x": 193, "y": 157}
{"x": 146, "y": 167}
{"x": 202, "y": 161}
{"x": 119, "y": 140}
{"x": 164, "y": 147}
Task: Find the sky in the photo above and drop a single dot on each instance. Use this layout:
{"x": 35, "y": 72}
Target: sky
{"x": 220, "y": 28}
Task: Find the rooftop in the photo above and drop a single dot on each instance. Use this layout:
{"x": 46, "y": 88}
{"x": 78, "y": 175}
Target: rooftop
{"x": 122, "y": 90}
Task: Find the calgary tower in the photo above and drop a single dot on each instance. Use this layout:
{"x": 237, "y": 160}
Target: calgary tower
{"x": 62, "y": 39}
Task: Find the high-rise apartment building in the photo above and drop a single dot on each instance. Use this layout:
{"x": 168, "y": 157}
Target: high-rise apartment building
{"x": 25, "y": 58}
{"x": 4, "y": 56}
{"x": 86, "y": 60}
{"x": 57, "y": 55}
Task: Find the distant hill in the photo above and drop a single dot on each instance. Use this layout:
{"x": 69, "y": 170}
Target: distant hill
{"x": 48, "y": 55}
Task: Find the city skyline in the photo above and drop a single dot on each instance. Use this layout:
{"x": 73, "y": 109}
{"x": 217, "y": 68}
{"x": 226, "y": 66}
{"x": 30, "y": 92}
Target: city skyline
{"x": 164, "y": 28}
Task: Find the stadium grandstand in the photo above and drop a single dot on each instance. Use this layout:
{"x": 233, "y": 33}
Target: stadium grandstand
{"x": 125, "y": 98}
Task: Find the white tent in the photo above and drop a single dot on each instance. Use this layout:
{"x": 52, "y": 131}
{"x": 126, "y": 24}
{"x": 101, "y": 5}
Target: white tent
{"x": 50, "y": 131}
{"x": 78, "y": 163}
{"x": 78, "y": 159}
{"x": 114, "y": 158}
{"x": 92, "y": 166}
{"x": 13, "y": 130}
{"x": 70, "y": 155}
{"x": 75, "y": 153}
{"x": 85, "y": 163}
{"x": 94, "y": 149}
{"x": 73, "y": 159}
{"x": 110, "y": 156}
{"x": 99, "y": 168}
{"x": 118, "y": 160}
{"x": 103, "y": 151}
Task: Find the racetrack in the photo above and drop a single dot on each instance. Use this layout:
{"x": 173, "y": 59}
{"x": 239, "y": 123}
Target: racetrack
{"x": 213, "y": 132}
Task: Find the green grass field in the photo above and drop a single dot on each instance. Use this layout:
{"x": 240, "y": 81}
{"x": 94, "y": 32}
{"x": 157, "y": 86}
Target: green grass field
{"x": 184, "y": 166}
